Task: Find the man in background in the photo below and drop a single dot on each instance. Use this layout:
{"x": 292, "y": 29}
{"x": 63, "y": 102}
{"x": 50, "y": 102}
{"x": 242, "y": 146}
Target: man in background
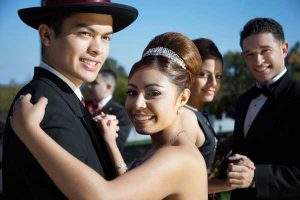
{"x": 101, "y": 91}
{"x": 266, "y": 127}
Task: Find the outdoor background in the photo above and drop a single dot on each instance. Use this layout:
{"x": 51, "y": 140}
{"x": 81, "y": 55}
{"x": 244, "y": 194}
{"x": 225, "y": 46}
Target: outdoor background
{"x": 219, "y": 20}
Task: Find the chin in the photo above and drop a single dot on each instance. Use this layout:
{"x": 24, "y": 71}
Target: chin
{"x": 90, "y": 78}
{"x": 143, "y": 131}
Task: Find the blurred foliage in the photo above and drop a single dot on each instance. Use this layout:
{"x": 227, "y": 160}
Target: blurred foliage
{"x": 236, "y": 80}
{"x": 7, "y": 95}
{"x": 293, "y": 60}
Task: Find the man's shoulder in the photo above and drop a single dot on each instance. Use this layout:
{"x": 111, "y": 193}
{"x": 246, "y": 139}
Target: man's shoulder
{"x": 295, "y": 90}
{"x": 38, "y": 88}
{"x": 113, "y": 103}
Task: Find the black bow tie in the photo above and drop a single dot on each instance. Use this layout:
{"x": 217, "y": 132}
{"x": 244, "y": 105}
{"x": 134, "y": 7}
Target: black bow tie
{"x": 263, "y": 90}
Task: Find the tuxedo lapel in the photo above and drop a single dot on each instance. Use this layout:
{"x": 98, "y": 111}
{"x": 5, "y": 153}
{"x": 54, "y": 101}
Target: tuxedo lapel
{"x": 108, "y": 106}
{"x": 241, "y": 112}
{"x": 61, "y": 88}
{"x": 82, "y": 113}
{"x": 100, "y": 146}
{"x": 269, "y": 113}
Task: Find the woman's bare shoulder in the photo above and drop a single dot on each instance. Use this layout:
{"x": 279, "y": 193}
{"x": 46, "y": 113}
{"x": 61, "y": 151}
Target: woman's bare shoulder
{"x": 181, "y": 157}
{"x": 185, "y": 165}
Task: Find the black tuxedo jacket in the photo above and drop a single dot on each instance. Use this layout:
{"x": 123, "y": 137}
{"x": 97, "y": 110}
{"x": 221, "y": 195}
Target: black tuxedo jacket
{"x": 272, "y": 143}
{"x": 114, "y": 108}
{"x": 69, "y": 123}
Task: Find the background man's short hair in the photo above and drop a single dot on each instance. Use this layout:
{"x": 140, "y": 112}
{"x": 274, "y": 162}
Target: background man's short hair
{"x": 108, "y": 73}
{"x": 262, "y": 25}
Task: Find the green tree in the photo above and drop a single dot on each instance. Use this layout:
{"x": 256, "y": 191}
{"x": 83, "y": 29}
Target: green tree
{"x": 7, "y": 94}
{"x": 293, "y": 61}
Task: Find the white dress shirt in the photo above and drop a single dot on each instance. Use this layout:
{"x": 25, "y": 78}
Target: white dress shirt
{"x": 257, "y": 103}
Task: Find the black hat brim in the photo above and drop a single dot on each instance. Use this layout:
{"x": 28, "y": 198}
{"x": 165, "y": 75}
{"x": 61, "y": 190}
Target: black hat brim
{"x": 123, "y": 15}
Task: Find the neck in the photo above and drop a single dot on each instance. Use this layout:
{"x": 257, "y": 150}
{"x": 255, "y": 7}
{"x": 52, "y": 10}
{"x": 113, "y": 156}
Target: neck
{"x": 196, "y": 104}
{"x": 163, "y": 137}
{"x": 160, "y": 139}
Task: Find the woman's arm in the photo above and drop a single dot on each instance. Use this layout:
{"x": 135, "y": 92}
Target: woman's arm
{"x": 238, "y": 173}
{"x": 108, "y": 124}
{"x": 218, "y": 185}
{"x": 156, "y": 178}
{"x": 61, "y": 166}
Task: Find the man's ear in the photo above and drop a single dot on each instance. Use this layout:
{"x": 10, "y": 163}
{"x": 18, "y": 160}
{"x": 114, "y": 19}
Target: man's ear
{"x": 109, "y": 86}
{"x": 46, "y": 34}
{"x": 285, "y": 48}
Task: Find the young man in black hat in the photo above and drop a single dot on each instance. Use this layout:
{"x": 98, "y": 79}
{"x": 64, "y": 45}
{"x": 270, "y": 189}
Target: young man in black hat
{"x": 75, "y": 37}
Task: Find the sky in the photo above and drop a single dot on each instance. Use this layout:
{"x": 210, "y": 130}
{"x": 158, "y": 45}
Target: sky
{"x": 219, "y": 20}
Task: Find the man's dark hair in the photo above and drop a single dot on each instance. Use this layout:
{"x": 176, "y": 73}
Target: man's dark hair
{"x": 55, "y": 22}
{"x": 108, "y": 73}
{"x": 262, "y": 25}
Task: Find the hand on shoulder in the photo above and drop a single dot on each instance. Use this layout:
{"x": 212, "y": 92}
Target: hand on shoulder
{"x": 26, "y": 116}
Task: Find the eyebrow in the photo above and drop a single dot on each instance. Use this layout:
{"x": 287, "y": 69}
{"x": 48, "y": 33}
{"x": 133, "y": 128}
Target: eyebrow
{"x": 205, "y": 71}
{"x": 147, "y": 86}
{"x": 87, "y": 26}
{"x": 260, "y": 47}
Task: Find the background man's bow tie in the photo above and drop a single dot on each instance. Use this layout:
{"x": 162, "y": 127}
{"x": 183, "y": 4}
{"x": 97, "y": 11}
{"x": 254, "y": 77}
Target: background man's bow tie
{"x": 263, "y": 90}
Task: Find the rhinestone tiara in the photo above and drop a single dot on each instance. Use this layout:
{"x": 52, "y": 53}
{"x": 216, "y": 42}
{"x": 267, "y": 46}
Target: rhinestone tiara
{"x": 165, "y": 52}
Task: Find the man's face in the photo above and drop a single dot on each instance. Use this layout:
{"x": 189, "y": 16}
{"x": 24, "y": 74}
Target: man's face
{"x": 99, "y": 89}
{"x": 264, "y": 56}
{"x": 81, "y": 49}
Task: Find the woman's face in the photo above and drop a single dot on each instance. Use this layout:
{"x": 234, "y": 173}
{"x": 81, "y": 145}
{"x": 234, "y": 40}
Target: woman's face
{"x": 152, "y": 101}
{"x": 208, "y": 82}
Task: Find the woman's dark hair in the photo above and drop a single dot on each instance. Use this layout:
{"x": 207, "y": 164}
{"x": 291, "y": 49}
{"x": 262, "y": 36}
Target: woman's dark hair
{"x": 208, "y": 49}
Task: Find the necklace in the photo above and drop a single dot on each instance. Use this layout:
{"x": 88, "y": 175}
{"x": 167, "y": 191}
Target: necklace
{"x": 175, "y": 137}
{"x": 190, "y": 107}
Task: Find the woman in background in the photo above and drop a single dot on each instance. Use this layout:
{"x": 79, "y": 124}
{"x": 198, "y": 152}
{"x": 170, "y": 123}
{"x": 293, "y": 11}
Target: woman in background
{"x": 203, "y": 91}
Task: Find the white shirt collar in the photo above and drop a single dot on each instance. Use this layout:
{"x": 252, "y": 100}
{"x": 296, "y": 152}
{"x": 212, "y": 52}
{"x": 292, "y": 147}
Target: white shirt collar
{"x": 104, "y": 101}
{"x": 75, "y": 89}
{"x": 276, "y": 78}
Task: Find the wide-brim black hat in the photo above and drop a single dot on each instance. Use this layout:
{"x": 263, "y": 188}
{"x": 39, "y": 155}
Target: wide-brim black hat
{"x": 123, "y": 15}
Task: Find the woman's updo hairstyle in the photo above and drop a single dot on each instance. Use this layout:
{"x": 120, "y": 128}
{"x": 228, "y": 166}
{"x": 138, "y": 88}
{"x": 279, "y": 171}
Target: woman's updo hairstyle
{"x": 174, "y": 55}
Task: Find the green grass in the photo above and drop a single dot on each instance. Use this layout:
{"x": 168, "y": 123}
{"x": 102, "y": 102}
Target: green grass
{"x": 225, "y": 195}
{"x": 137, "y": 143}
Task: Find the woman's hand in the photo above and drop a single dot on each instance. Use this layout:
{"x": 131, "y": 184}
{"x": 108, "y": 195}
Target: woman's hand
{"x": 242, "y": 160}
{"x": 109, "y": 125}
{"x": 240, "y": 172}
{"x": 27, "y": 116}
